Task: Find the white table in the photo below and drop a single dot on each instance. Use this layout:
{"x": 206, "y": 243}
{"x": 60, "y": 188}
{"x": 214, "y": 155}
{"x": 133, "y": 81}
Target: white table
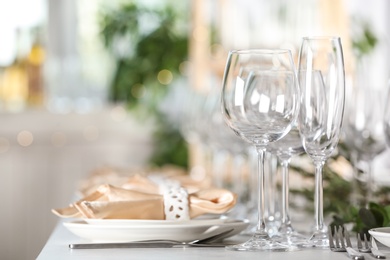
{"x": 57, "y": 248}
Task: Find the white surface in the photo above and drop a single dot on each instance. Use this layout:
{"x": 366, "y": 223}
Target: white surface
{"x": 184, "y": 231}
{"x": 381, "y": 234}
{"x": 57, "y": 248}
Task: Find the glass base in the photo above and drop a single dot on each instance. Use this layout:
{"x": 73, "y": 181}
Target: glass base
{"x": 292, "y": 239}
{"x": 261, "y": 243}
{"x": 320, "y": 239}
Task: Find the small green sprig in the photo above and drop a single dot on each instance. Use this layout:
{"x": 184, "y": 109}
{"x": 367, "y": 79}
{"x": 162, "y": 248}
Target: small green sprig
{"x": 364, "y": 43}
{"x": 363, "y": 219}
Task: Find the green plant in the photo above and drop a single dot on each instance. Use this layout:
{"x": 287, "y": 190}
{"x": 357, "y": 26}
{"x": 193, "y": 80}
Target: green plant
{"x": 147, "y": 62}
{"x": 141, "y": 56}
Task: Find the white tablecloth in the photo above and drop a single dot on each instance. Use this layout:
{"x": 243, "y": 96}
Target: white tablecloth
{"x": 57, "y": 248}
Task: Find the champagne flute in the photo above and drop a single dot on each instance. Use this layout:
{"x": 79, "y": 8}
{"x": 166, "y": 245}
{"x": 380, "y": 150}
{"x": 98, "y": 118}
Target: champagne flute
{"x": 260, "y": 102}
{"x": 322, "y": 83}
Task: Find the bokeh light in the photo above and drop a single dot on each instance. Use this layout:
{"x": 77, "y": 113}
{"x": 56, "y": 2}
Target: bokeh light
{"x": 25, "y": 138}
{"x": 165, "y": 77}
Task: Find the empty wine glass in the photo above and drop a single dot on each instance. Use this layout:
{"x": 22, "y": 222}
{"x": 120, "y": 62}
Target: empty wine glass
{"x": 322, "y": 85}
{"x": 284, "y": 149}
{"x": 260, "y": 101}
{"x": 365, "y": 132}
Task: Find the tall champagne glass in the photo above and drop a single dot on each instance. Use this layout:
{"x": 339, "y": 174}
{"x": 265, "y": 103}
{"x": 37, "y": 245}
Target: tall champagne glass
{"x": 260, "y": 101}
{"x": 322, "y": 84}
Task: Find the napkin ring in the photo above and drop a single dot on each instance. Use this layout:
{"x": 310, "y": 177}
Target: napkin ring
{"x": 176, "y": 204}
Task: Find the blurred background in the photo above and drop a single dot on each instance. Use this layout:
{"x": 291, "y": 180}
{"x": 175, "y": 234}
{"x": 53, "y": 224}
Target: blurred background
{"x": 90, "y": 84}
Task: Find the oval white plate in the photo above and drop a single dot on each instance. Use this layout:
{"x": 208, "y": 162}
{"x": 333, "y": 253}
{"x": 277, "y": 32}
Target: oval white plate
{"x": 381, "y": 234}
{"x": 184, "y": 232}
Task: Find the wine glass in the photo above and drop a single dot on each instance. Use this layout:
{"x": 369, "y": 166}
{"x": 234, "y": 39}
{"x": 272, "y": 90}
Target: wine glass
{"x": 365, "y": 131}
{"x": 322, "y": 84}
{"x": 284, "y": 149}
{"x": 260, "y": 102}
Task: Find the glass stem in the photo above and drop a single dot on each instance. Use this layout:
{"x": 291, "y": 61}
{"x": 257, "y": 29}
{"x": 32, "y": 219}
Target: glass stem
{"x": 318, "y": 197}
{"x": 270, "y": 183}
{"x": 369, "y": 183}
{"x": 261, "y": 229}
{"x": 285, "y": 193}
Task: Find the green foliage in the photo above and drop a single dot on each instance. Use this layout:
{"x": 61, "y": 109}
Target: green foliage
{"x": 364, "y": 218}
{"x": 338, "y": 201}
{"x": 337, "y": 191}
{"x": 173, "y": 150}
{"x": 365, "y": 42}
{"x": 120, "y": 22}
{"x": 140, "y": 55}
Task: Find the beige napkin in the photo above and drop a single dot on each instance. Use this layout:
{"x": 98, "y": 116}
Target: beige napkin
{"x": 142, "y": 202}
{"x": 130, "y": 179}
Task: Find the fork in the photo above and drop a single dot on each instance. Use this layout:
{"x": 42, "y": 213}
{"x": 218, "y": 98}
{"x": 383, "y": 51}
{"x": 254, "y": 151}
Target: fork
{"x": 368, "y": 249}
{"x": 342, "y": 243}
{"x": 206, "y": 242}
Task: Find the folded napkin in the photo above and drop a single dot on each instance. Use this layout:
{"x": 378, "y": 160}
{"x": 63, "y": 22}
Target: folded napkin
{"x": 102, "y": 175}
{"x": 138, "y": 178}
{"x": 144, "y": 199}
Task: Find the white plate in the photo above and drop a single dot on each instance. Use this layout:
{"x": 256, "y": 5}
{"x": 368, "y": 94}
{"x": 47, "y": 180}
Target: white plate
{"x": 133, "y": 231}
{"x": 154, "y": 223}
{"x": 381, "y": 234}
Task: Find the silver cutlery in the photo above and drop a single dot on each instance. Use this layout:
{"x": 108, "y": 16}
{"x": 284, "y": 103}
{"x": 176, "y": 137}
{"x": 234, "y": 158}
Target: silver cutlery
{"x": 375, "y": 251}
{"x": 206, "y": 242}
{"x": 361, "y": 248}
{"x": 366, "y": 248}
{"x": 339, "y": 241}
